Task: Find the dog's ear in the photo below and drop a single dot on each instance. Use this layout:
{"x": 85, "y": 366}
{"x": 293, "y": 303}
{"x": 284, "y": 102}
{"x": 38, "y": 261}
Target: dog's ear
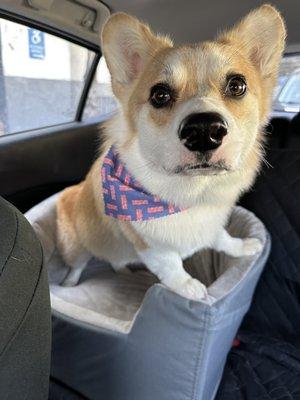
{"x": 261, "y": 37}
{"x": 128, "y": 45}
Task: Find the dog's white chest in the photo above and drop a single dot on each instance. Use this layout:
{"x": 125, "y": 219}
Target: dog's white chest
{"x": 187, "y": 231}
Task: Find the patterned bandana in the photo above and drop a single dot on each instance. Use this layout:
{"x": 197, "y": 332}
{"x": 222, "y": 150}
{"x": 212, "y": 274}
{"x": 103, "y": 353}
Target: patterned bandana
{"x": 124, "y": 198}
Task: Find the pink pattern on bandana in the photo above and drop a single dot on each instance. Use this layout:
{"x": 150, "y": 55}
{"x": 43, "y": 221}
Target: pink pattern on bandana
{"x": 125, "y": 198}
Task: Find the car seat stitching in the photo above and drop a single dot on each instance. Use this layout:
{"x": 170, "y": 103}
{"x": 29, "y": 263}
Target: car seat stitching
{"x": 13, "y": 246}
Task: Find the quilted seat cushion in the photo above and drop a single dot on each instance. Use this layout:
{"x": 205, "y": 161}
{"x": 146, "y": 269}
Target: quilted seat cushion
{"x": 267, "y": 363}
{"x": 276, "y": 201}
{"x": 262, "y": 368}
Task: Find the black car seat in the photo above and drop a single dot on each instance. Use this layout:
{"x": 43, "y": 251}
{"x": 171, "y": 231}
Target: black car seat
{"x": 294, "y": 133}
{"x": 266, "y": 363}
{"x": 276, "y": 133}
{"x": 25, "y": 330}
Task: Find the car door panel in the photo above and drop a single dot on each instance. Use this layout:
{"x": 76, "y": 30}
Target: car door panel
{"x": 33, "y": 165}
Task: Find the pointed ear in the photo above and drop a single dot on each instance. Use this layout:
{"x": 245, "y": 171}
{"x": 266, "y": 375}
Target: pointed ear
{"x": 261, "y": 37}
{"x": 127, "y": 45}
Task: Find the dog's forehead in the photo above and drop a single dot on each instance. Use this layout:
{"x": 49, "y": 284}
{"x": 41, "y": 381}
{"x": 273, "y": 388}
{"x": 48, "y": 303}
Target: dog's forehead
{"x": 198, "y": 63}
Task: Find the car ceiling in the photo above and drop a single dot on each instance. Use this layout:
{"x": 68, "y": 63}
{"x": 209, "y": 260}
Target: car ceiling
{"x": 196, "y": 20}
{"x": 185, "y": 21}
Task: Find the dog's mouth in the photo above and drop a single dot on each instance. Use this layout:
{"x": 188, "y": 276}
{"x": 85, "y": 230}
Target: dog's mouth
{"x": 204, "y": 168}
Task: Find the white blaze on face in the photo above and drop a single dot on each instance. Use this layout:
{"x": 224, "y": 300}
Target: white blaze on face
{"x": 162, "y": 147}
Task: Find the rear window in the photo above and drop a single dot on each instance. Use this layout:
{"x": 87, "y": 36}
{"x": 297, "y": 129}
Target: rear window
{"x": 291, "y": 92}
{"x": 287, "y": 92}
{"x": 41, "y": 78}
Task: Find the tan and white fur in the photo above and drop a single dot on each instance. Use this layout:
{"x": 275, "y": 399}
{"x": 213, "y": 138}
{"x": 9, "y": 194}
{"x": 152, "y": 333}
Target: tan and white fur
{"x": 148, "y": 143}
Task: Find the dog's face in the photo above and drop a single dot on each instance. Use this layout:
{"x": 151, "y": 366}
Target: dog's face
{"x": 200, "y": 109}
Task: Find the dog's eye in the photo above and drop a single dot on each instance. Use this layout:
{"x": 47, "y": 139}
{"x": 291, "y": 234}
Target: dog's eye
{"x": 236, "y": 86}
{"x": 161, "y": 95}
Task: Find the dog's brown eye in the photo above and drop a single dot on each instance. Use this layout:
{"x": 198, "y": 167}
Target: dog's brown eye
{"x": 236, "y": 86}
{"x": 161, "y": 95}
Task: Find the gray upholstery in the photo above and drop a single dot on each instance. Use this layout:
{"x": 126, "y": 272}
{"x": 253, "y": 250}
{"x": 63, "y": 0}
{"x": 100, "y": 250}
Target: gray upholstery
{"x": 24, "y": 310}
{"x": 117, "y": 337}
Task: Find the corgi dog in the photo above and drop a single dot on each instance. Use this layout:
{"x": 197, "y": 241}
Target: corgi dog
{"x": 185, "y": 144}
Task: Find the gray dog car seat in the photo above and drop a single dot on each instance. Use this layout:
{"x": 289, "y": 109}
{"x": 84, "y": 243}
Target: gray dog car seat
{"x": 127, "y": 337}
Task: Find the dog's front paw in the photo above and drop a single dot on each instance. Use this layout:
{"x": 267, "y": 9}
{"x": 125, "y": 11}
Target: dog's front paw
{"x": 68, "y": 283}
{"x": 123, "y": 270}
{"x": 251, "y": 246}
{"x": 72, "y": 277}
{"x": 191, "y": 288}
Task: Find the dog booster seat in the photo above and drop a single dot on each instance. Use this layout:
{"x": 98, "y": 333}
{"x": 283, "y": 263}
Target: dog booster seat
{"x": 127, "y": 337}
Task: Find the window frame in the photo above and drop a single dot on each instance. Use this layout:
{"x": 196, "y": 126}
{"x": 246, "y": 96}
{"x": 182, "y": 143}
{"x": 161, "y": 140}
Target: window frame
{"x": 30, "y": 23}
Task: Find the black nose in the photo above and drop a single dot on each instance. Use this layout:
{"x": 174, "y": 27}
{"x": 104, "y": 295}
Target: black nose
{"x": 202, "y": 131}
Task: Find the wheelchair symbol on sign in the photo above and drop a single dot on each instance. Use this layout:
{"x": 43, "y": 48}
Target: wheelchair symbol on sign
{"x": 36, "y": 43}
{"x": 36, "y": 37}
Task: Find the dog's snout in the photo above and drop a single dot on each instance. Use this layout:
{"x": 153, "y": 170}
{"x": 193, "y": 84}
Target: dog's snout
{"x": 202, "y": 131}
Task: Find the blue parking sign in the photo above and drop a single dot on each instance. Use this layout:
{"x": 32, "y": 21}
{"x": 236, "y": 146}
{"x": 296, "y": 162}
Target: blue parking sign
{"x": 36, "y": 40}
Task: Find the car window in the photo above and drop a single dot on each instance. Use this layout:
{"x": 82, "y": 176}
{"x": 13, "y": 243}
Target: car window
{"x": 280, "y": 83}
{"x": 287, "y": 92}
{"x": 291, "y": 92}
{"x": 101, "y": 100}
{"x": 41, "y": 78}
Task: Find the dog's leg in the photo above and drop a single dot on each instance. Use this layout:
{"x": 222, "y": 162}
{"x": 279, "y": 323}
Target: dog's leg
{"x": 237, "y": 247}
{"x": 68, "y": 240}
{"x": 167, "y": 265}
{"x": 76, "y": 266}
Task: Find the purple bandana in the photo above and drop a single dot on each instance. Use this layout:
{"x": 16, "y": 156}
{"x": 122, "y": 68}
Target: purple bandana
{"x": 124, "y": 198}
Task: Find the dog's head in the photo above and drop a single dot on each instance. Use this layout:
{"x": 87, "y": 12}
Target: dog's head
{"x": 195, "y": 109}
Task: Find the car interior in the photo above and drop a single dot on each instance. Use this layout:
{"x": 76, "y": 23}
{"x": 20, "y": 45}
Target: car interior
{"x": 51, "y": 118}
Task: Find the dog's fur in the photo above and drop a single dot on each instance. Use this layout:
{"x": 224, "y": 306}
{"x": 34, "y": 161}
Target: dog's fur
{"x": 148, "y": 143}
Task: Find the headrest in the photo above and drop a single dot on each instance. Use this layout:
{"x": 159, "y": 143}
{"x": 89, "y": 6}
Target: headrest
{"x": 295, "y": 125}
